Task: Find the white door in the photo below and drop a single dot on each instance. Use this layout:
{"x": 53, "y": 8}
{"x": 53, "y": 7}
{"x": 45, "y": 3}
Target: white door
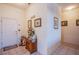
{"x": 9, "y": 27}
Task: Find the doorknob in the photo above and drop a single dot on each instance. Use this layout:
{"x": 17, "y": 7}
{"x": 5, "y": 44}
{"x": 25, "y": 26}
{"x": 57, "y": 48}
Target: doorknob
{"x": 19, "y": 30}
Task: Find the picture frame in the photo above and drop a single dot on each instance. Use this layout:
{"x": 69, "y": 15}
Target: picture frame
{"x": 64, "y": 23}
{"x": 56, "y": 22}
{"x": 37, "y": 22}
{"x": 29, "y": 23}
{"x": 77, "y": 22}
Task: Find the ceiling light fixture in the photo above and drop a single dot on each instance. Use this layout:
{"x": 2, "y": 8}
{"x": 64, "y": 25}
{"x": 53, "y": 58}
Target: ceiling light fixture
{"x": 70, "y": 7}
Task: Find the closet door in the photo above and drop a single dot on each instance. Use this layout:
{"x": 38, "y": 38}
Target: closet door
{"x": 9, "y": 32}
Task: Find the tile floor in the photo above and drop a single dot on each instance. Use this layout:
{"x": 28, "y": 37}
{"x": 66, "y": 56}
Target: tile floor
{"x": 18, "y": 51}
{"x": 62, "y": 50}
{"x": 65, "y": 50}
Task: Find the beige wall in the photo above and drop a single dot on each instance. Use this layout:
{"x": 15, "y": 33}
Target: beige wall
{"x": 48, "y": 37}
{"x": 38, "y": 10}
{"x": 54, "y": 35}
{"x": 70, "y": 33}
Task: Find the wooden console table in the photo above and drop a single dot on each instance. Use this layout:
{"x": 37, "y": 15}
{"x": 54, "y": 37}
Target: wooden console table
{"x": 32, "y": 47}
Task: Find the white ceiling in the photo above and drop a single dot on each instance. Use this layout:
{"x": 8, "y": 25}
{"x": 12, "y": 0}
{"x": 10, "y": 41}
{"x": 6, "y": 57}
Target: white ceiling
{"x": 65, "y": 5}
{"x": 20, "y": 5}
{"x": 61, "y": 5}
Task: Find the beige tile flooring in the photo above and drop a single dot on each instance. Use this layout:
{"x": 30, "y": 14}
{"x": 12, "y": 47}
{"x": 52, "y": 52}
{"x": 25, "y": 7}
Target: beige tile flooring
{"x": 18, "y": 51}
{"x": 62, "y": 50}
{"x": 66, "y": 50}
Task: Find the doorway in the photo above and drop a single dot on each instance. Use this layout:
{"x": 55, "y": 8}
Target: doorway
{"x": 9, "y": 34}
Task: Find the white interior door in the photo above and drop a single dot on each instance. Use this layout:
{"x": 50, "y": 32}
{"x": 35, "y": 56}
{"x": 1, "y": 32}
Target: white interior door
{"x": 10, "y": 36}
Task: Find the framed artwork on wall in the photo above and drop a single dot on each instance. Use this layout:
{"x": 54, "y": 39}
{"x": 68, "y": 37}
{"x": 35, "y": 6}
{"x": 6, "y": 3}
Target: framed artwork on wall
{"x": 29, "y": 23}
{"x": 37, "y": 22}
{"x": 64, "y": 23}
{"x": 56, "y": 22}
{"x": 77, "y": 22}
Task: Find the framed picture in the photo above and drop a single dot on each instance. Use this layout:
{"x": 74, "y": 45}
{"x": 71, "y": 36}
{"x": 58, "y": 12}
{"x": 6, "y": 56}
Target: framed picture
{"x": 37, "y": 22}
{"x": 64, "y": 23}
{"x": 56, "y": 23}
{"x": 77, "y": 22}
{"x": 29, "y": 23}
